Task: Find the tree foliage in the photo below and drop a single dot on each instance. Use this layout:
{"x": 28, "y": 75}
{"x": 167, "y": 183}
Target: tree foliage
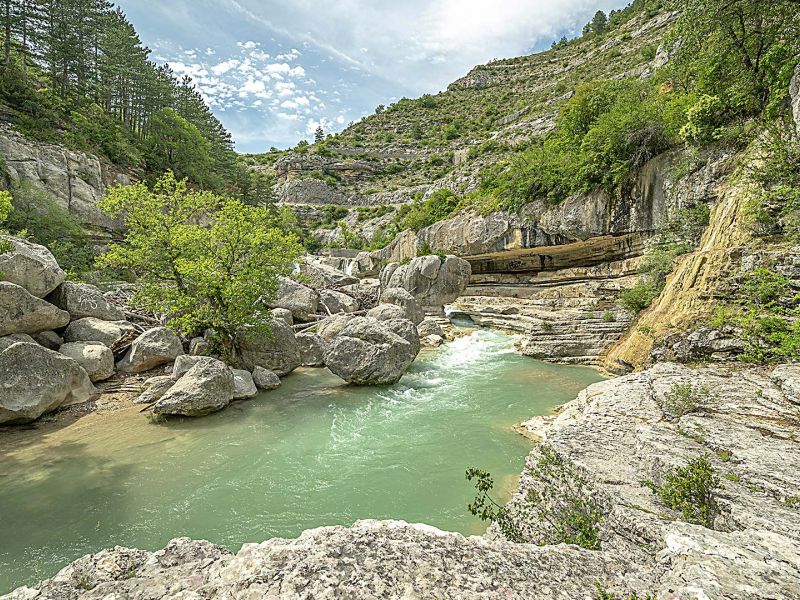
{"x": 202, "y": 260}
{"x": 76, "y": 71}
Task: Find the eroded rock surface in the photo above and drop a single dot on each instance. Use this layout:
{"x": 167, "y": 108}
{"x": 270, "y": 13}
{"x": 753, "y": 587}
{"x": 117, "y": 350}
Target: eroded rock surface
{"x": 22, "y": 312}
{"x": 153, "y": 348}
{"x": 372, "y": 352}
{"x": 31, "y": 266}
{"x": 35, "y": 380}
{"x": 82, "y": 300}
{"x": 622, "y": 431}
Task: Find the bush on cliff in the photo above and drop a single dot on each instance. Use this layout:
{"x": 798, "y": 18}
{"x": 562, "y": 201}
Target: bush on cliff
{"x": 561, "y": 508}
{"x": 691, "y": 490}
{"x": 202, "y": 260}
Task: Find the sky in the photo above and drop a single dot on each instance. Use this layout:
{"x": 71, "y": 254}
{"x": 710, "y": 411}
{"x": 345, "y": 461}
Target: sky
{"x": 273, "y": 71}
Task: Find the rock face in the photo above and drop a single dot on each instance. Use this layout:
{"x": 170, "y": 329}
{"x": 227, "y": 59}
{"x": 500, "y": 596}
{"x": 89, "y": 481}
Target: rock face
{"x": 31, "y": 266}
{"x": 372, "y": 352}
{"x": 91, "y": 329}
{"x": 36, "y": 381}
{"x": 405, "y": 300}
{"x": 277, "y": 351}
{"x": 155, "y": 388}
{"x": 75, "y": 180}
{"x": 622, "y": 431}
{"x": 432, "y": 282}
{"x": 151, "y": 349}
{"x": 96, "y": 359}
{"x": 293, "y": 296}
{"x": 312, "y": 349}
{"x": 322, "y": 276}
{"x": 206, "y": 388}
{"x": 82, "y": 300}
{"x": 21, "y": 312}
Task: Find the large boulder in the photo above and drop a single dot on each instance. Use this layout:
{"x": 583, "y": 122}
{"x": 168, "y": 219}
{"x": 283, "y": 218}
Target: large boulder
{"x": 329, "y": 328}
{"x": 109, "y": 333}
{"x": 243, "y": 385}
{"x": 404, "y": 299}
{"x": 31, "y": 266}
{"x": 312, "y": 349}
{"x": 151, "y": 349}
{"x": 387, "y": 312}
{"x": 155, "y": 388}
{"x": 298, "y": 298}
{"x": 265, "y": 379}
{"x": 22, "y": 312}
{"x": 49, "y": 339}
{"x": 35, "y": 380}
{"x": 184, "y": 363}
{"x": 82, "y": 300}
{"x": 96, "y": 359}
{"x": 338, "y": 302}
{"x": 372, "y": 352}
{"x": 322, "y": 276}
{"x": 432, "y": 281}
{"x": 283, "y": 314}
{"x": 206, "y": 388}
{"x": 276, "y": 351}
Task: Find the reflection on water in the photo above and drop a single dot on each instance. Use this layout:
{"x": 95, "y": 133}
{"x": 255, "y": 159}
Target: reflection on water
{"x": 315, "y": 452}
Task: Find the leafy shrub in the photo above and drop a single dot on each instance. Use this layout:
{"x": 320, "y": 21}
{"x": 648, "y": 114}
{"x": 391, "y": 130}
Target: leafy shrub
{"x": 561, "y": 501}
{"x": 421, "y": 213}
{"x": 203, "y": 261}
{"x": 38, "y": 217}
{"x": 609, "y": 316}
{"x": 690, "y": 490}
{"x": 639, "y": 297}
{"x": 703, "y": 121}
{"x": 603, "y": 594}
{"x": 684, "y": 398}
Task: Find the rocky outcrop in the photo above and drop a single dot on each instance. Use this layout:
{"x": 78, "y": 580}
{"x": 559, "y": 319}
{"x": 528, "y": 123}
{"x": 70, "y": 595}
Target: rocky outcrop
{"x": 81, "y": 300}
{"x": 323, "y": 276}
{"x": 21, "y": 312}
{"x": 370, "y": 560}
{"x": 155, "y": 388}
{"x": 372, "y": 352}
{"x": 31, "y": 266}
{"x": 75, "y": 180}
{"x": 95, "y": 358}
{"x": 569, "y": 316}
{"x": 621, "y": 432}
{"x": 205, "y": 388}
{"x": 36, "y": 381}
{"x": 302, "y": 301}
{"x": 433, "y": 281}
{"x": 153, "y": 348}
{"x": 276, "y": 351}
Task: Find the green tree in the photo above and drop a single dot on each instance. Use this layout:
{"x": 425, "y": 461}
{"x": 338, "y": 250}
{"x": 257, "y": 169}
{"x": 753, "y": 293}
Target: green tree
{"x": 599, "y": 23}
{"x": 5, "y": 205}
{"x": 319, "y": 135}
{"x": 175, "y": 144}
{"x": 202, "y": 260}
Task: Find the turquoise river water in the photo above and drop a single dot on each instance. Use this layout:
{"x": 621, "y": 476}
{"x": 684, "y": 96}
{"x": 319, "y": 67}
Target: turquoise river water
{"x": 315, "y": 452}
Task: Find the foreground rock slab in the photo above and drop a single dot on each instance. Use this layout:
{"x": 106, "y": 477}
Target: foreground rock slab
{"x": 371, "y": 560}
{"x": 626, "y": 430}
{"x": 35, "y": 380}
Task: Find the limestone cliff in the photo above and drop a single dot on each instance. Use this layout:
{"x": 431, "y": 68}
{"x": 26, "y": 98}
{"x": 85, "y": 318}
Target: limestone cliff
{"x": 75, "y": 180}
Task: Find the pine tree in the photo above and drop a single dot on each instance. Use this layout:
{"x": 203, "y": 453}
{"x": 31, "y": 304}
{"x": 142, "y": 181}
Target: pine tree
{"x": 319, "y": 135}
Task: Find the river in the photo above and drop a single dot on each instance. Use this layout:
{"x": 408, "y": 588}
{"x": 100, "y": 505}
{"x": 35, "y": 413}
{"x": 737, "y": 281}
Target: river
{"x": 315, "y": 452}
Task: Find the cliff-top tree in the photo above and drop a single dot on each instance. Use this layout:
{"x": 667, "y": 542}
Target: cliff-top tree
{"x": 319, "y": 135}
{"x": 202, "y": 260}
